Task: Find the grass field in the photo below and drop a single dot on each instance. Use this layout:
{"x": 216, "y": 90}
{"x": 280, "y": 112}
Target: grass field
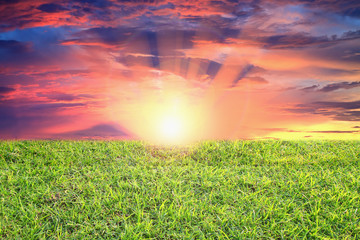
{"x": 212, "y": 190}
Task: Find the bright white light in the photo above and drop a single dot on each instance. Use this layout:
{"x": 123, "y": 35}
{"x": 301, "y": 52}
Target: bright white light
{"x": 171, "y": 127}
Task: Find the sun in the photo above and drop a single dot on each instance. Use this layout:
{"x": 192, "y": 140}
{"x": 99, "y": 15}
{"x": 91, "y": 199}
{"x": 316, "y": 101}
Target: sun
{"x": 171, "y": 127}
{"x": 166, "y": 120}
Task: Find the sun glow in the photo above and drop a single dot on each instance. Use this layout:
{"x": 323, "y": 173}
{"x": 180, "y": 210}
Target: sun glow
{"x": 165, "y": 112}
{"x": 166, "y": 120}
{"x": 171, "y": 127}
{"x": 173, "y": 124}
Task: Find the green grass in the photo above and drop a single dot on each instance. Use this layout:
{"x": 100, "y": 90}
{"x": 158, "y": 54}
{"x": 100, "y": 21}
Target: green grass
{"x": 212, "y": 190}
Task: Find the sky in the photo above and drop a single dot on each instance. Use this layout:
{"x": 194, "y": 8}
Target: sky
{"x": 180, "y": 71}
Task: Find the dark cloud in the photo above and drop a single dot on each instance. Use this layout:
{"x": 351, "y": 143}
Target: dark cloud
{"x": 153, "y": 47}
{"x": 290, "y": 130}
{"x": 171, "y": 64}
{"x": 135, "y": 40}
{"x": 42, "y": 78}
{"x": 332, "y": 87}
{"x": 344, "y": 51}
{"x": 301, "y": 109}
{"x": 28, "y": 117}
{"x": 23, "y": 79}
{"x": 212, "y": 68}
{"x": 108, "y": 35}
{"x": 341, "y": 85}
{"x": 103, "y": 130}
{"x": 55, "y": 106}
{"x": 346, "y": 8}
{"x": 347, "y": 116}
{"x": 205, "y": 67}
{"x": 4, "y": 90}
{"x": 141, "y": 1}
{"x": 341, "y": 111}
{"x": 310, "y": 88}
{"x": 146, "y": 41}
{"x": 51, "y": 8}
{"x": 168, "y": 5}
{"x": 351, "y": 35}
{"x": 21, "y": 122}
{"x": 13, "y": 47}
{"x": 9, "y": 122}
{"x": 303, "y": 40}
{"x": 242, "y": 74}
{"x": 356, "y": 126}
{"x": 341, "y": 105}
{"x": 58, "y": 96}
{"x": 334, "y": 131}
{"x": 292, "y": 41}
{"x": 96, "y": 3}
{"x": 61, "y": 73}
{"x": 353, "y": 12}
{"x": 258, "y": 70}
{"x": 331, "y": 72}
{"x": 19, "y": 55}
{"x": 9, "y": 1}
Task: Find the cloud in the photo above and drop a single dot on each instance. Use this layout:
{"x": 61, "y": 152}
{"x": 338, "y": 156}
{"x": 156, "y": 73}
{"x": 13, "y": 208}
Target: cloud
{"x": 346, "y": 8}
{"x": 58, "y": 96}
{"x": 41, "y": 76}
{"x": 341, "y": 111}
{"x": 51, "y": 8}
{"x": 336, "y": 105}
{"x": 341, "y": 85}
{"x": 103, "y": 130}
{"x": 20, "y": 55}
{"x": 302, "y": 40}
{"x": 146, "y": 41}
{"x": 177, "y": 64}
{"x": 55, "y": 106}
{"x": 242, "y": 74}
{"x": 331, "y": 72}
{"x": 310, "y": 88}
{"x": 347, "y": 116}
{"x": 14, "y": 47}
{"x": 22, "y": 122}
{"x": 297, "y": 131}
{"x": 5, "y": 90}
{"x": 332, "y": 87}
{"x": 16, "y": 79}
{"x": 292, "y": 41}
{"x": 334, "y": 131}
{"x": 351, "y": 34}
{"x": 104, "y": 35}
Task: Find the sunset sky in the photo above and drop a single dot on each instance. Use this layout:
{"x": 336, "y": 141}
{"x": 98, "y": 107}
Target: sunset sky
{"x": 180, "y": 70}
